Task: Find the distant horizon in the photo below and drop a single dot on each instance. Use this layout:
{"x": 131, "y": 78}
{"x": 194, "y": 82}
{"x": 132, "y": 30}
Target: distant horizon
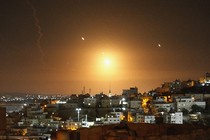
{"x": 87, "y": 92}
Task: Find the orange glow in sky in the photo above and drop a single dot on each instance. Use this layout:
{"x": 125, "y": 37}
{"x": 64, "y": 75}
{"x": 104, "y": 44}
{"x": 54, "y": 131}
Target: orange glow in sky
{"x": 106, "y": 66}
{"x": 62, "y": 46}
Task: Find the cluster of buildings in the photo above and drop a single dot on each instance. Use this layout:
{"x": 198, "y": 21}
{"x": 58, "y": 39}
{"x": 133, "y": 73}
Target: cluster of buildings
{"x": 179, "y": 86}
{"x": 42, "y": 116}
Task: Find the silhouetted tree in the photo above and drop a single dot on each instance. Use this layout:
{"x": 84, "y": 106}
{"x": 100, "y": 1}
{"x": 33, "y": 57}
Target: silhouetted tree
{"x": 196, "y": 108}
{"x": 185, "y": 111}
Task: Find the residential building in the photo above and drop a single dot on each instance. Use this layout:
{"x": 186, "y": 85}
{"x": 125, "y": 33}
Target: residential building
{"x": 71, "y": 105}
{"x": 187, "y": 102}
{"x": 175, "y": 86}
{"x": 90, "y": 102}
{"x": 174, "y": 118}
{"x": 187, "y": 84}
{"x": 145, "y": 118}
{"x": 106, "y": 102}
{"x": 165, "y": 88}
{"x": 115, "y": 101}
{"x": 114, "y": 117}
{"x": 205, "y": 80}
{"x": 130, "y": 93}
{"x": 163, "y": 106}
{"x": 135, "y": 104}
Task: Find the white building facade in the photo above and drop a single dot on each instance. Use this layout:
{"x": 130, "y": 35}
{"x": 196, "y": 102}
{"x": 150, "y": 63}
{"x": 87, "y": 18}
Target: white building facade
{"x": 114, "y": 117}
{"x": 174, "y": 118}
{"x": 141, "y": 118}
{"x": 187, "y": 102}
{"x": 163, "y": 105}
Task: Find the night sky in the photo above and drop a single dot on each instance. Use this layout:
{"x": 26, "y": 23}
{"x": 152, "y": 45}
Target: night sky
{"x": 54, "y": 46}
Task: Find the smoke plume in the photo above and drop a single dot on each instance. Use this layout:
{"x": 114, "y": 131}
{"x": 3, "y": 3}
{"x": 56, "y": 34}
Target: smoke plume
{"x": 39, "y": 31}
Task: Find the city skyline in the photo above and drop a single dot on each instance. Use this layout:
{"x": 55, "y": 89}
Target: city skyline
{"x": 61, "y": 46}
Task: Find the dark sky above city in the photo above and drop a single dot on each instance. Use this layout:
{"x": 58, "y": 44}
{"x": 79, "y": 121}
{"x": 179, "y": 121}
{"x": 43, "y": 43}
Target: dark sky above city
{"x": 54, "y": 46}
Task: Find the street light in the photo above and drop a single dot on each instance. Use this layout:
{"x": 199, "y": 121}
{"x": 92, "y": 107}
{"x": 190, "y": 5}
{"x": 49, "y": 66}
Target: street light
{"x": 78, "y": 110}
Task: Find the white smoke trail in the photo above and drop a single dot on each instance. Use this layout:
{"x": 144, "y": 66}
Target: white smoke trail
{"x": 39, "y": 31}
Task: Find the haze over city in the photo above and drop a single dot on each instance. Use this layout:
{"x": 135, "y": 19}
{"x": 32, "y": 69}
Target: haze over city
{"x": 61, "y": 46}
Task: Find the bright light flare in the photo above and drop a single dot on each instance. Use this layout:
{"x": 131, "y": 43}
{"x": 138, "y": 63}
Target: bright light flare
{"x": 159, "y": 45}
{"x": 107, "y": 62}
{"x": 106, "y": 65}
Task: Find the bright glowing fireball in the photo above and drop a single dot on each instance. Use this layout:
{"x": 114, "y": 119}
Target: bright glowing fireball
{"x": 107, "y": 62}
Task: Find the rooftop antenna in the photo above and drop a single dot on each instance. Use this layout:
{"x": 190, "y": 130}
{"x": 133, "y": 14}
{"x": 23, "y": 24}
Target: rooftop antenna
{"x": 84, "y": 89}
{"x": 110, "y": 92}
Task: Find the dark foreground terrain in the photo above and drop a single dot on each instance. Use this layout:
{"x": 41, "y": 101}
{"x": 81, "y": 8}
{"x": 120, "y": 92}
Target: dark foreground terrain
{"x": 137, "y": 131}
